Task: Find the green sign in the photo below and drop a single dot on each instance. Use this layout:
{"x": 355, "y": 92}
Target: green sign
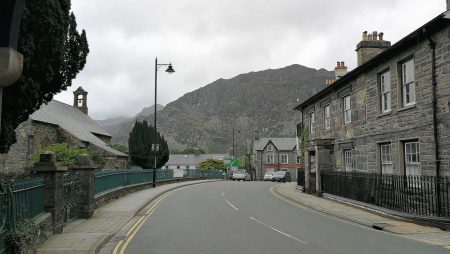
{"x": 226, "y": 161}
{"x": 234, "y": 163}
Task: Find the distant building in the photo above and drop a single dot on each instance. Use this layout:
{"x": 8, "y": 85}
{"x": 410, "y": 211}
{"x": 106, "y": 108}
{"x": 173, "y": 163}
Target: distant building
{"x": 57, "y": 122}
{"x": 190, "y": 161}
{"x": 391, "y": 114}
{"x": 275, "y": 154}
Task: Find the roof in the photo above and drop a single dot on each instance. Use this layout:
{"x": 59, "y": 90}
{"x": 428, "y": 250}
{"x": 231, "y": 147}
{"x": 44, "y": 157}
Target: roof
{"x": 192, "y": 159}
{"x": 421, "y": 32}
{"x": 282, "y": 144}
{"x": 75, "y": 122}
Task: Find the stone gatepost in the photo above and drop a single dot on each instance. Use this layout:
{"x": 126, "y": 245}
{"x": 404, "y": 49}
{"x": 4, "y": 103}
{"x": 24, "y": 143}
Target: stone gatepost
{"x": 318, "y": 168}
{"x": 86, "y": 171}
{"x": 53, "y": 188}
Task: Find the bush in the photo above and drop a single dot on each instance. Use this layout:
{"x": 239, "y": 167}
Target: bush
{"x": 66, "y": 156}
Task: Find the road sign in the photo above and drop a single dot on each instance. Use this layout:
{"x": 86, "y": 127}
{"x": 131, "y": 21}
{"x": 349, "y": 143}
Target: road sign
{"x": 234, "y": 163}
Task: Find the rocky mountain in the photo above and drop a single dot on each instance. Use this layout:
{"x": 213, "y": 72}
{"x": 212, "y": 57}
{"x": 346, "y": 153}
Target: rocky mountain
{"x": 262, "y": 100}
{"x": 114, "y": 125}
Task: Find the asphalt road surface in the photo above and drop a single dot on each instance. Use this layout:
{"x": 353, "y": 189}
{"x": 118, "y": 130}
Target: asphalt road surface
{"x": 244, "y": 217}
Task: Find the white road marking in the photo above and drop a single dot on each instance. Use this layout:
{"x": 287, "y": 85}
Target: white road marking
{"x": 279, "y": 231}
{"x": 235, "y": 208}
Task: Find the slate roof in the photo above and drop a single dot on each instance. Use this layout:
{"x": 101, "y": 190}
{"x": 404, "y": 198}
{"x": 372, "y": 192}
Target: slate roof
{"x": 75, "y": 122}
{"x": 281, "y": 144}
{"x": 192, "y": 159}
{"x": 412, "y": 39}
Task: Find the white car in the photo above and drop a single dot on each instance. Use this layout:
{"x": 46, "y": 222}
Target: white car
{"x": 268, "y": 176}
{"x": 240, "y": 174}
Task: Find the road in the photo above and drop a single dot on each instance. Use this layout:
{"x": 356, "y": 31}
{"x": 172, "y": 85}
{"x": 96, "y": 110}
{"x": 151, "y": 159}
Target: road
{"x": 244, "y": 217}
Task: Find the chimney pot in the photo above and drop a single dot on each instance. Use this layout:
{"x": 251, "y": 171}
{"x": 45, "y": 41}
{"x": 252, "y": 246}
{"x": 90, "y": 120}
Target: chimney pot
{"x": 380, "y": 36}
{"x": 338, "y": 64}
{"x": 364, "y": 37}
{"x": 374, "y": 35}
{"x": 342, "y": 64}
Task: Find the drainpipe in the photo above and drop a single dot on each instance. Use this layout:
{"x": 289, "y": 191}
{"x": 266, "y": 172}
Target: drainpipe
{"x": 432, "y": 45}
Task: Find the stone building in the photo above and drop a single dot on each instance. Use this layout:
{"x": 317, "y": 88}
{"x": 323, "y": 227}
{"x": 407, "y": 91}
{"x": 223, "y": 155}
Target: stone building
{"x": 391, "y": 114}
{"x": 58, "y": 122}
{"x": 190, "y": 161}
{"x": 275, "y": 154}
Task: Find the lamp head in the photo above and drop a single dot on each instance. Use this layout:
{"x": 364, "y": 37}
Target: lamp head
{"x": 170, "y": 70}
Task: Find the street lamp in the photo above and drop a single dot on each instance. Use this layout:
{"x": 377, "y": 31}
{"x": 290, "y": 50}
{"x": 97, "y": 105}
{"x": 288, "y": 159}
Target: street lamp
{"x": 155, "y": 147}
{"x": 11, "y": 61}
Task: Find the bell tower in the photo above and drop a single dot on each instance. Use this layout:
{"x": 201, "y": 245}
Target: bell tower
{"x": 80, "y": 99}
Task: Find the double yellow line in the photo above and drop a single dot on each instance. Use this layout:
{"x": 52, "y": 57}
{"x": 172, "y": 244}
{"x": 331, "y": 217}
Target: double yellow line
{"x": 122, "y": 245}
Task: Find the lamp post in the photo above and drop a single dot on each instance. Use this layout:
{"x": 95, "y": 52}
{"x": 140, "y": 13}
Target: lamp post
{"x": 155, "y": 146}
{"x": 11, "y": 61}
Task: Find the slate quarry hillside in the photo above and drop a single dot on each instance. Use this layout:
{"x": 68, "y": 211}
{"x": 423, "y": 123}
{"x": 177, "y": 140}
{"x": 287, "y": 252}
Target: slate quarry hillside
{"x": 262, "y": 101}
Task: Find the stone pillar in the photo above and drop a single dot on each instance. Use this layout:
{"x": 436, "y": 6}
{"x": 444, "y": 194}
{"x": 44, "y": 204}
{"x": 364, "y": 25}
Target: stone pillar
{"x": 307, "y": 172}
{"x": 53, "y": 188}
{"x": 318, "y": 177}
{"x": 86, "y": 171}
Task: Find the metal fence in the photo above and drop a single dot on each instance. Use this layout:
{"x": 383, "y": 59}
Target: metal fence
{"x": 421, "y": 195}
{"x": 71, "y": 195}
{"x": 301, "y": 177}
{"x": 19, "y": 199}
{"x": 112, "y": 179}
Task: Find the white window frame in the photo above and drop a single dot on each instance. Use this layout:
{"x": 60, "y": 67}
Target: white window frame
{"x": 286, "y": 156}
{"x": 412, "y": 158}
{"x": 269, "y": 148}
{"x": 386, "y": 158}
{"x": 348, "y": 159}
{"x": 271, "y": 160}
{"x": 327, "y": 116}
{"x": 408, "y": 83}
{"x": 312, "y": 121}
{"x": 385, "y": 92}
{"x": 347, "y": 109}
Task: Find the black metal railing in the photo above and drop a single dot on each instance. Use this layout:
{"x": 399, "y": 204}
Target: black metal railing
{"x": 301, "y": 177}
{"x": 421, "y": 195}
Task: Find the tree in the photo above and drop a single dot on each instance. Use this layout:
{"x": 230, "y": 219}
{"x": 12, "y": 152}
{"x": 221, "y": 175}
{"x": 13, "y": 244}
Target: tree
{"x": 120, "y": 148}
{"x": 211, "y": 164}
{"x": 140, "y": 144}
{"x": 54, "y": 53}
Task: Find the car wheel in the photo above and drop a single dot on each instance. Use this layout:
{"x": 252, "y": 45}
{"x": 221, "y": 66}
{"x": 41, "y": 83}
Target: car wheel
{"x": 234, "y": 179}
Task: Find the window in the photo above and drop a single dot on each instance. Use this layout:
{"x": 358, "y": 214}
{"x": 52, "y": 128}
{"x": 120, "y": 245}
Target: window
{"x": 312, "y": 162}
{"x": 327, "y": 117}
{"x": 167, "y": 167}
{"x": 269, "y": 148}
{"x": 409, "y": 87}
{"x": 347, "y": 110}
{"x": 385, "y": 92}
{"x": 187, "y": 167}
{"x": 412, "y": 159}
{"x": 178, "y": 167}
{"x": 348, "y": 160}
{"x": 269, "y": 158}
{"x": 311, "y": 127}
{"x": 284, "y": 159}
{"x": 298, "y": 159}
{"x": 386, "y": 159}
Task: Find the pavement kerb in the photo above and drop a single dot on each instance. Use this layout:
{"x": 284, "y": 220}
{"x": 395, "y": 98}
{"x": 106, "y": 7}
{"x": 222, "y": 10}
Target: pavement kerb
{"x": 340, "y": 216}
{"x": 98, "y": 244}
{"x": 171, "y": 189}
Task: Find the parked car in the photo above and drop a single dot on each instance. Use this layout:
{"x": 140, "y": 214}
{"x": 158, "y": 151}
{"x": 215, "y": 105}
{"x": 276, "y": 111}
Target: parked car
{"x": 240, "y": 174}
{"x": 268, "y": 176}
{"x": 281, "y": 176}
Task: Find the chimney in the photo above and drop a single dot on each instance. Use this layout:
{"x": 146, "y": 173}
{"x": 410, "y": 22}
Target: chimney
{"x": 80, "y": 100}
{"x": 340, "y": 70}
{"x": 448, "y": 5}
{"x": 370, "y": 46}
{"x": 256, "y": 135}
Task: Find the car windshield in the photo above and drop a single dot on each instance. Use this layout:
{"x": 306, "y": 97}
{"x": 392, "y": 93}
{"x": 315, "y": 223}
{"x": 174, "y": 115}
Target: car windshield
{"x": 280, "y": 173}
{"x": 239, "y": 172}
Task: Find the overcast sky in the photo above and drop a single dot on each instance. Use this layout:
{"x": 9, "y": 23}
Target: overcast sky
{"x": 210, "y": 39}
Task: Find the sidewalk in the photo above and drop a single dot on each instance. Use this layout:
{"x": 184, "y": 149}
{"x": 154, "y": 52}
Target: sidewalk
{"x": 413, "y": 231}
{"x": 88, "y": 236}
